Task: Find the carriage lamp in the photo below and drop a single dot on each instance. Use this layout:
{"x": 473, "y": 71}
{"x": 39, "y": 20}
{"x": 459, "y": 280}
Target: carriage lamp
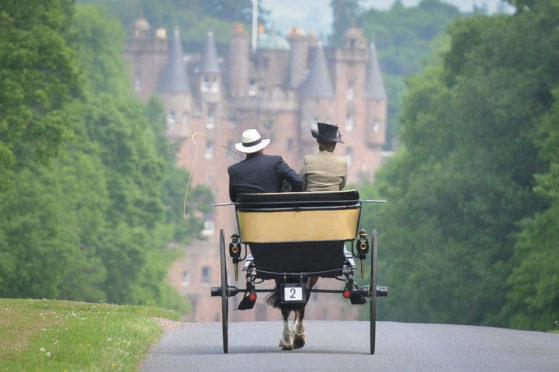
{"x": 252, "y": 296}
{"x": 363, "y": 248}
{"x": 362, "y": 244}
{"x": 235, "y": 253}
{"x": 347, "y": 293}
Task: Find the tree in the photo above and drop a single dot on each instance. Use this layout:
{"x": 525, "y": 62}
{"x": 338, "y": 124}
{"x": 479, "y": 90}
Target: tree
{"x": 94, "y": 224}
{"x": 346, "y": 14}
{"x": 465, "y": 177}
{"x": 533, "y": 301}
{"x": 404, "y": 37}
{"x": 38, "y": 75}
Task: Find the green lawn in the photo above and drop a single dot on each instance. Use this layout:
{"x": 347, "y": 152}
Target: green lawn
{"x": 47, "y": 335}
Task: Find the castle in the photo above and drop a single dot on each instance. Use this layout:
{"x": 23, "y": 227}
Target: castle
{"x": 282, "y": 87}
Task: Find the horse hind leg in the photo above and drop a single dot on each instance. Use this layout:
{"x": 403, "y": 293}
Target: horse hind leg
{"x": 298, "y": 326}
{"x": 286, "y": 340}
{"x": 299, "y": 329}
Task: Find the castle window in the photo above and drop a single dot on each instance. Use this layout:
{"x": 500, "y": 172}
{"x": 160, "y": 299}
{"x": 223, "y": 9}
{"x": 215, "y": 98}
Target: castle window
{"x": 209, "y": 228}
{"x": 350, "y": 91}
{"x": 252, "y": 89}
{"x": 210, "y": 120}
{"x": 171, "y": 118}
{"x": 214, "y": 85}
{"x": 209, "y": 154}
{"x": 206, "y": 275}
{"x": 204, "y": 84}
{"x": 232, "y": 123}
{"x": 185, "y": 117}
{"x": 349, "y": 154}
{"x": 349, "y": 122}
{"x": 138, "y": 83}
{"x": 376, "y": 125}
{"x": 185, "y": 278}
{"x": 230, "y": 145}
{"x": 290, "y": 144}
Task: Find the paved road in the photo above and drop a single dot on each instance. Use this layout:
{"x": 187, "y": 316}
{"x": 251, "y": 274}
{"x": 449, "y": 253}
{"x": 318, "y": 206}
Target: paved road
{"x": 344, "y": 345}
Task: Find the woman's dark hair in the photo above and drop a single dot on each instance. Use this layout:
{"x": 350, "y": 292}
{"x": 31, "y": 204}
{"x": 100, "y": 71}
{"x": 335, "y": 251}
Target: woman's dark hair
{"x": 326, "y": 146}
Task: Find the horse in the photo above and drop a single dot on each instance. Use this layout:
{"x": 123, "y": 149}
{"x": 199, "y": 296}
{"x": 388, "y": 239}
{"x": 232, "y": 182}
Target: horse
{"x": 291, "y": 338}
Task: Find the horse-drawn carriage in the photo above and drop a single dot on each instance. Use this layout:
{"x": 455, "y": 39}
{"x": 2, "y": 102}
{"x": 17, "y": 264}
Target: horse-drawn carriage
{"x": 294, "y": 238}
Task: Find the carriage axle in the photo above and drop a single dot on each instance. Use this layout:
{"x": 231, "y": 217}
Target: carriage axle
{"x": 382, "y": 291}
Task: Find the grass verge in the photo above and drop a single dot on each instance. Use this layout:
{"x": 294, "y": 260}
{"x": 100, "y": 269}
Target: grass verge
{"x": 48, "y": 335}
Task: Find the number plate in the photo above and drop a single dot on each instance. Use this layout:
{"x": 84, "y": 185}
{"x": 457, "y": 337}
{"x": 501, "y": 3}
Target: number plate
{"x": 293, "y": 293}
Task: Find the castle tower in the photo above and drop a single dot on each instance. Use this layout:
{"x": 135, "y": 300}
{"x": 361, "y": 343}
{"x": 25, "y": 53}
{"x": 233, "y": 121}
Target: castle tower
{"x": 147, "y": 56}
{"x": 209, "y": 74}
{"x": 141, "y": 28}
{"x": 376, "y": 96}
{"x": 174, "y": 90}
{"x": 209, "y": 82}
{"x": 317, "y": 96}
{"x": 350, "y": 70}
{"x": 238, "y": 76}
{"x": 298, "y": 57}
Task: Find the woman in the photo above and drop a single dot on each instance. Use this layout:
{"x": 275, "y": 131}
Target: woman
{"x": 325, "y": 171}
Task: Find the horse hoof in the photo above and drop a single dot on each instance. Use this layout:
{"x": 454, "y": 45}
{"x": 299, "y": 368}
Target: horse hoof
{"x": 285, "y": 346}
{"x": 299, "y": 341}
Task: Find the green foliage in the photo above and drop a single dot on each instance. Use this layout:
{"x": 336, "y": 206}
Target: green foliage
{"x": 98, "y": 221}
{"x": 404, "y": 38}
{"x": 346, "y": 14}
{"x": 193, "y": 18}
{"x": 534, "y": 297}
{"x": 465, "y": 179}
{"x": 38, "y": 75}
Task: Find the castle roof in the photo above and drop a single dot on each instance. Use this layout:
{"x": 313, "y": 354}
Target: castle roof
{"x": 317, "y": 83}
{"x": 374, "y": 85}
{"x": 272, "y": 41}
{"x": 174, "y": 78}
{"x": 141, "y": 24}
{"x": 209, "y": 63}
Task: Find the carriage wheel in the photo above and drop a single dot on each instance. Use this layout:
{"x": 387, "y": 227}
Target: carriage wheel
{"x": 373, "y": 289}
{"x": 224, "y": 287}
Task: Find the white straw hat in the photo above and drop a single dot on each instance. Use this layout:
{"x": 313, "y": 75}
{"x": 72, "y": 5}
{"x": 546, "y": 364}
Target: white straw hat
{"x": 252, "y": 142}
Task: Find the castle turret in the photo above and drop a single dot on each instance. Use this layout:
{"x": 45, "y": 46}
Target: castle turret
{"x": 175, "y": 91}
{"x": 375, "y": 94}
{"x": 209, "y": 74}
{"x": 318, "y": 84}
{"x": 298, "y": 57}
{"x": 238, "y": 62}
{"x": 141, "y": 28}
{"x": 209, "y": 83}
{"x": 317, "y": 95}
{"x": 174, "y": 78}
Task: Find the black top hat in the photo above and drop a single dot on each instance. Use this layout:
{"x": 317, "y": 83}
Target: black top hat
{"x": 327, "y": 133}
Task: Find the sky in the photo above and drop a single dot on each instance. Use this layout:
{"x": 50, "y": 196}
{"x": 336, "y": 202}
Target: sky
{"x": 316, "y": 14}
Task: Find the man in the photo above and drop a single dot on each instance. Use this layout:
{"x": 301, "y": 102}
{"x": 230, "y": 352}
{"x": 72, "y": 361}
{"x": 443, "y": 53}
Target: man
{"x": 259, "y": 172}
{"x": 325, "y": 171}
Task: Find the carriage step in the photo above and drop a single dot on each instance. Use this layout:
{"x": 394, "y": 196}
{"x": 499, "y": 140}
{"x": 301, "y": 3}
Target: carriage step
{"x": 382, "y": 291}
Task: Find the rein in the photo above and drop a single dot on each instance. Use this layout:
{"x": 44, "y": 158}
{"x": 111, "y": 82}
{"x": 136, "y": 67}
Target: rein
{"x": 194, "y": 164}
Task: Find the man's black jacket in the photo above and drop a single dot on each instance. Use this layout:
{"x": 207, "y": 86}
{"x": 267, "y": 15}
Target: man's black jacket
{"x": 261, "y": 173}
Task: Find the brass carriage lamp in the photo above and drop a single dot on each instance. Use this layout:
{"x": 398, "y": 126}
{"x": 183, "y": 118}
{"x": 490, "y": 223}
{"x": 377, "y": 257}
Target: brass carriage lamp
{"x": 235, "y": 253}
{"x": 363, "y": 248}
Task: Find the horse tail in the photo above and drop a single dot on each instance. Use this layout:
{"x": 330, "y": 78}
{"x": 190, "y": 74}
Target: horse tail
{"x": 274, "y": 297}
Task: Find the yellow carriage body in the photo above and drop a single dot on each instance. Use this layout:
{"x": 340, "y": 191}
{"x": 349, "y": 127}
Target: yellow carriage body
{"x": 298, "y": 231}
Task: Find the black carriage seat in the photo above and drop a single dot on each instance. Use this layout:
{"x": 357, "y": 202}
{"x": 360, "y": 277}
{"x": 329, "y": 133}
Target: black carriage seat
{"x": 298, "y": 231}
